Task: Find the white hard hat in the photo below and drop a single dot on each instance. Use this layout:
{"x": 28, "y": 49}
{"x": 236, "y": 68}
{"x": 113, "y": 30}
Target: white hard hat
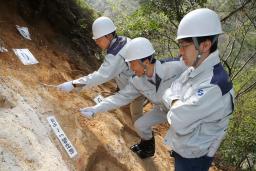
{"x": 138, "y": 48}
{"x": 198, "y": 23}
{"x": 102, "y": 26}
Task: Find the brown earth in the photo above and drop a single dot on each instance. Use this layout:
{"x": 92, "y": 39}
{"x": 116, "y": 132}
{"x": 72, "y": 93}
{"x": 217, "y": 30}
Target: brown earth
{"x": 26, "y": 139}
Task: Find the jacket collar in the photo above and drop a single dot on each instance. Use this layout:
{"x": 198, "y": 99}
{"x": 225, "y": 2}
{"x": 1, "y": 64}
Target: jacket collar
{"x": 159, "y": 69}
{"x": 158, "y": 74}
{"x": 112, "y": 42}
{"x": 208, "y": 63}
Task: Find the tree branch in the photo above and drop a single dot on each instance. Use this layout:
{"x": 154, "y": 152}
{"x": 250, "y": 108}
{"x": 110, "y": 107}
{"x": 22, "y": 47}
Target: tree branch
{"x": 230, "y": 52}
{"x": 233, "y": 63}
{"x": 228, "y": 67}
{"x": 248, "y": 89}
{"x": 235, "y": 11}
{"x": 251, "y": 19}
{"x": 224, "y": 53}
{"x": 243, "y": 66}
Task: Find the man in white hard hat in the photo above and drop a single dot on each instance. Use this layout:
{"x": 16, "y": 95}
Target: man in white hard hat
{"x": 200, "y": 101}
{"x": 152, "y": 77}
{"x": 114, "y": 65}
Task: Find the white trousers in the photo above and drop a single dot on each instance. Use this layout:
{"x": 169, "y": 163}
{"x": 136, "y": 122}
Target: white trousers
{"x": 136, "y": 108}
{"x": 143, "y": 125}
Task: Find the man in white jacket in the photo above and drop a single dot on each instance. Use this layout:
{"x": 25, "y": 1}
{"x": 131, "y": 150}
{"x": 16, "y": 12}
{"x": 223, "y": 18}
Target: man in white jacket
{"x": 152, "y": 77}
{"x": 114, "y": 65}
{"x": 200, "y": 101}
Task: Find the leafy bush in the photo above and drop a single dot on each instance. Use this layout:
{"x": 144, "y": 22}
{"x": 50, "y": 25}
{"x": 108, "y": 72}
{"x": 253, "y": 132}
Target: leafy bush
{"x": 239, "y": 147}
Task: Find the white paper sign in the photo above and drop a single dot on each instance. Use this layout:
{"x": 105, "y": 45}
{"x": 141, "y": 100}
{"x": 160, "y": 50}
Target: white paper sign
{"x": 24, "y": 32}
{"x": 25, "y": 56}
{"x": 70, "y": 149}
{"x": 2, "y": 49}
{"x": 98, "y": 99}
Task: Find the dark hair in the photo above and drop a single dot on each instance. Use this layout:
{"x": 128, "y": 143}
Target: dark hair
{"x": 211, "y": 38}
{"x": 113, "y": 34}
{"x": 188, "y": 39}
{"x": 204, "y": 38}
{"x": 151, "y": 59}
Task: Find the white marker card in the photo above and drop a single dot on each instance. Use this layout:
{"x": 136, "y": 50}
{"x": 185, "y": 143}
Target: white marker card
{"x": 25, "y": 56}
{"x": 70, "y": 149}
{"x": 2, "y": 49}
{"x": 24, "y": 32}
{"x": 99, "y": 98}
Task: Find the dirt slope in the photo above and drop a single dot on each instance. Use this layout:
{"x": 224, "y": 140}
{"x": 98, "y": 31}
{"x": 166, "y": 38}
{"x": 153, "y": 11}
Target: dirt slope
{"x": 26, "y": 139}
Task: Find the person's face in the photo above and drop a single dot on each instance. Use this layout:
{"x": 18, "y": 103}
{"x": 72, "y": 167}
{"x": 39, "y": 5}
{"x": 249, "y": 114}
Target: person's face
{"x": 188, "y": 52}
{"x": 137, "y": 68}
{"x": 103, "y": 42}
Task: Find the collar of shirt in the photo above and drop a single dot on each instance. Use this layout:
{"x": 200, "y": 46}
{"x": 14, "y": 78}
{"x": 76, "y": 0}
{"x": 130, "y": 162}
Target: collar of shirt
{"x": 159, "y": 70}
{"x": 208, "y": 63}
{"x": 157, "y": 75}
{"x": 112, "y": 42}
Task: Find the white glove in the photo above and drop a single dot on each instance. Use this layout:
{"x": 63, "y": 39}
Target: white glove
{"x": 67, "y": 86}
{"x": 79, "y": 83}
{"x": 88, "y": 112}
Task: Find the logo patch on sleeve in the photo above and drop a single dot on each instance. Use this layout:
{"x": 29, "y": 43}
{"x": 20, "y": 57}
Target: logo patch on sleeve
{"x": 200, "y": 92}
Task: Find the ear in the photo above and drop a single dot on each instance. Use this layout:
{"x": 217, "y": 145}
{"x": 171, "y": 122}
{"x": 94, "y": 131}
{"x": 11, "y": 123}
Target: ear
{"x": 146, "y": 62}
{"x": 109, "y": 37}
{"x": 205, "y": 46}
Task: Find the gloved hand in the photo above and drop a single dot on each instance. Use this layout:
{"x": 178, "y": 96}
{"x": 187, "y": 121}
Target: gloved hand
{"x": 88, "y": 112}
{"x": 78, "y": 83}
{"x": 67, "y": 86}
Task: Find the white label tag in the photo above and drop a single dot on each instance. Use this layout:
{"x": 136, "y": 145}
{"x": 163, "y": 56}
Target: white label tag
{"x": 25, "y": 56}
{"x": 98, "y": 99}
{"x": 24, "y": 32}
{"x": 70, "y": 149}
{"x": 2, "y": 49}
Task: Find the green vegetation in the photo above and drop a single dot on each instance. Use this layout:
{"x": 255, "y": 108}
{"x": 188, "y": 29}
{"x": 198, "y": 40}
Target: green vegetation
{"x": 239, "y": 147}
{"x": 158, "y": 20}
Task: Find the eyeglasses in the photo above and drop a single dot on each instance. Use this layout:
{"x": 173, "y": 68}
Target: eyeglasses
{"x": 184, "y": 45}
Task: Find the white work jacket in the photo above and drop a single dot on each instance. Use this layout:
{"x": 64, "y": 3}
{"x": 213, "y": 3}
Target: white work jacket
{"x": 165, "y": 73}
{"x": 113, "y": 67}
{"x": 199, "y": 118}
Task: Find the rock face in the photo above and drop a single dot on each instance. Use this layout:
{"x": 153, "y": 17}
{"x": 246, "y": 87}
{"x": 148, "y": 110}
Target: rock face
{"x": 26, "y": 139}
{"x": 66, "y": 17}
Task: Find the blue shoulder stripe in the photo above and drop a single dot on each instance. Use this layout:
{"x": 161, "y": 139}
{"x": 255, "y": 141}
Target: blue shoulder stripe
{"x": 170, "y": 59}
{"x": 117, "y": 46}
{"x": 221, "y": 79}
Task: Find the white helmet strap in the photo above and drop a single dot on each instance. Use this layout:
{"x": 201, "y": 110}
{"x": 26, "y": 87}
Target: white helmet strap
{"x": 215, "y": 39}
{"x": 198, "y": 55}
{"x": 144, "y": 66}
{"x": 195, "y": 41}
